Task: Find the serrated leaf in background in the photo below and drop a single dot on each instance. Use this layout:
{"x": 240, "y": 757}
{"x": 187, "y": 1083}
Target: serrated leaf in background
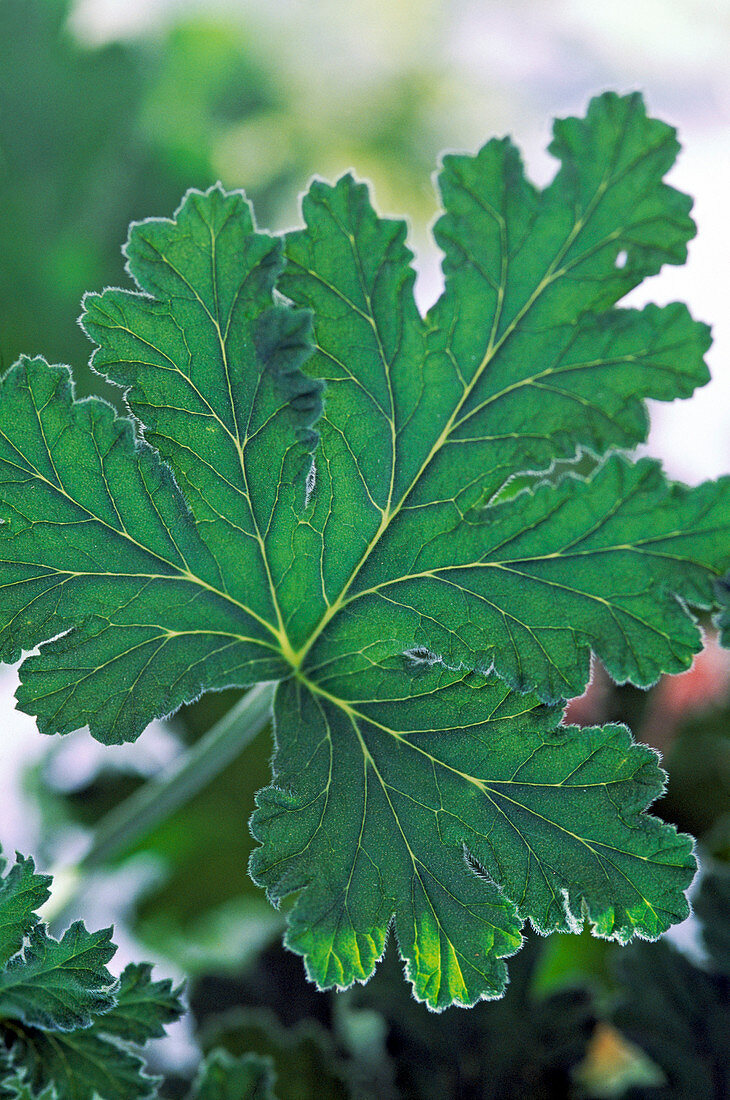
{"x": 223, "y": 1077}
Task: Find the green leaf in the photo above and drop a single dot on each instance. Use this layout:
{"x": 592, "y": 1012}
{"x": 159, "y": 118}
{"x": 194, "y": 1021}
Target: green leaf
{"x": 17, "y": 1088}
{"x": 712, "y": 907}
{"x": 520, "y": 363}
{"x": 115, "y": 554}
{"x": 390, "y": 807}
{"x": 59, "y": 984}
{"x": 142, "y": 1007}
{"x": 223, "y": 1077}
{"x": 66, "y": 1026}
{"x": 304, "y": 1057}
{"x": 22, "y": 891}
{"x": 83, "y": 1065}
{"x": 217, "y": 539}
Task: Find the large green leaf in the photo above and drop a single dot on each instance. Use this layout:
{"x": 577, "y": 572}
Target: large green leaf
{"x": 377, "y": 802}
{"x": 217, "y": 539}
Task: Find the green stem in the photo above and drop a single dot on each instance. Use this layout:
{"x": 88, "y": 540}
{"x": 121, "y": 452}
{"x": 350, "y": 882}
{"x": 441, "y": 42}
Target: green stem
{"x": 162, "y": 795}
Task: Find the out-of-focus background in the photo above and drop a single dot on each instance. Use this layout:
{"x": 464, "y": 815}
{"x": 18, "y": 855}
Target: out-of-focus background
{"x": 111, "y": 109}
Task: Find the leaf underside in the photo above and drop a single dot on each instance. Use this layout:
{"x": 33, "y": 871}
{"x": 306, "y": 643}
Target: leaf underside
{"x": 307, "y": 492}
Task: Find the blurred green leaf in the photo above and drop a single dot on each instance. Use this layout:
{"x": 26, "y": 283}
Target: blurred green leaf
{"x": 712, "y": 908}
{"x": 523, "y": 1045}
{"x": 679, "y": 1012}
{"x": 223, "y": 1077}
{"x": 304, "y": 1057}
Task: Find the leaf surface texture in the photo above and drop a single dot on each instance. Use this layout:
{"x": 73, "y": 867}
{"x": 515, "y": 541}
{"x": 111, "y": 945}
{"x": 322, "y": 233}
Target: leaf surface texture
{"x": 318, "y": 492}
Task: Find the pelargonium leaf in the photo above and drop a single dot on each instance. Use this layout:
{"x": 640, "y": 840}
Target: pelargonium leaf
{"x": 59, "y": 984}
{"x": 68, "y": 1029}
{"x": 22, "y": 892}
{"x": 362, "y": 553}
{"x": 461, "y": 809}
{"x": 142, "y": 1007}
{"x": 16, "y": 1087}
{"x": 83, "y": 1065}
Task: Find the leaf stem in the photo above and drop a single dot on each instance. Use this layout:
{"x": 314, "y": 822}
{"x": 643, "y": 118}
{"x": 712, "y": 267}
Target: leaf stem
{"x": 162, "y": 795}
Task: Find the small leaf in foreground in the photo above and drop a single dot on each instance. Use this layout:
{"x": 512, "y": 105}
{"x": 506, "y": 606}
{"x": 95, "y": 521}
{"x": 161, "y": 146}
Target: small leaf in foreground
{"x": 22, "y": 891}
{"x": 59, "y": 984}
{"x": 67, "y": 1029}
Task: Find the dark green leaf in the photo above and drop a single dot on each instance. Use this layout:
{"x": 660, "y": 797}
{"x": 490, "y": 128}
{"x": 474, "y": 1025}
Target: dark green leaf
{"x": 303, "y": 1057}
{"x": 679, "y": 1012}
{"x": 22, "y": 891}
{"x": 377, "y": 802}
{"x": 369, "y": 570}
{"x": 520, "y": 363}
{"x": 223, "y": 1077}
{"x": 59, "y": 984}
{"x": 143, "y": 1007}
{"x": 66, "y": 1027}
{"x": 17, "y": 1088}
{"x": 83, "y": 1065}
{"x": 712, "y": 907}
